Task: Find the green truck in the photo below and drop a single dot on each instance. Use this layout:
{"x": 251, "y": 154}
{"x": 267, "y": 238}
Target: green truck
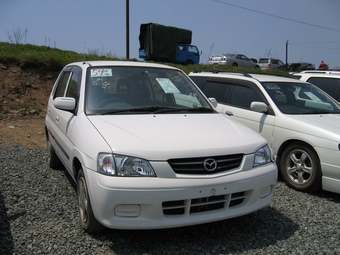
{"x": 167, "y": 44}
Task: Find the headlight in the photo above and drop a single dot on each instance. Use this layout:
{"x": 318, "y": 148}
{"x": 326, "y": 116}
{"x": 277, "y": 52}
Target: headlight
{"x": 120, "y": 165}
{"x": 263, "y": 156}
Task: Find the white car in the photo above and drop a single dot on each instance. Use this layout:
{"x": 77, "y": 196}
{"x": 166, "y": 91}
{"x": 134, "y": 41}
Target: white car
{"x": 148, "y": 150}
{"x": 231, "y": 59}
{"x": 299, "y": 121}
{"x": 271, "y": 63}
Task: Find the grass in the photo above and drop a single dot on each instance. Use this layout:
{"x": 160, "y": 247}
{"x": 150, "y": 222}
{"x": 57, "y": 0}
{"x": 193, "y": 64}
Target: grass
{"x": 54, "y": 59}
{"x": 28, "y": 55}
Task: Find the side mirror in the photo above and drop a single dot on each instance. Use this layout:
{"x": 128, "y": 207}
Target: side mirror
{"x": 65, "y": 103}
{"x": 259, "y": 107}
{"x": 213, "y": 101}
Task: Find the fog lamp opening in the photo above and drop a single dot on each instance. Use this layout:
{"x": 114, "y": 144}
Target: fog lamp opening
{"x": 127, "y": 211}
{"x": 265, "y": 192}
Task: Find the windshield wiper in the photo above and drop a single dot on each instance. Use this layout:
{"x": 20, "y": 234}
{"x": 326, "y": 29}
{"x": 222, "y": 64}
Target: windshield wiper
{"x": 197, "y": 110}
{"x": 320, "y": 112}
{"x": 157, "y": 109}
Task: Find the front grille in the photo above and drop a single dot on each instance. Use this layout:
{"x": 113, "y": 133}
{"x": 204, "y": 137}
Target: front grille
{"x": 203, "y": 204}
{"x": 196, "y": 165}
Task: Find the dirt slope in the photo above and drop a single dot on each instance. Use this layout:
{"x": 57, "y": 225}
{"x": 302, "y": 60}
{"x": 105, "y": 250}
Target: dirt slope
{"x": 23, "y": 100}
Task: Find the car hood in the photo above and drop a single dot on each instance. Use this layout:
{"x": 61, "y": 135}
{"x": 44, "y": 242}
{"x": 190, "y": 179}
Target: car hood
{"x": 164, "y": 136}
{"x": 320, "y": 125}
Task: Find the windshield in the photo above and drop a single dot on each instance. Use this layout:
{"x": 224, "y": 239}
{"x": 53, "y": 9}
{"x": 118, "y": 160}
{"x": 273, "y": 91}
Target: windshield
{"x": 127, "y": 89}
{"x": 300, "y": 98}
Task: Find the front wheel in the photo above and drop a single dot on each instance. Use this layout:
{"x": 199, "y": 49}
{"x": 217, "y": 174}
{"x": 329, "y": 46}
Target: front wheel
{"x": 300, "y": 168}
{"x": 87, "y": 220}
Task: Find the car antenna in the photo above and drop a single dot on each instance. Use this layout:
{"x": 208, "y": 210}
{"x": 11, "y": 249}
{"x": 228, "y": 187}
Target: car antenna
{"x": 84, "y": 52}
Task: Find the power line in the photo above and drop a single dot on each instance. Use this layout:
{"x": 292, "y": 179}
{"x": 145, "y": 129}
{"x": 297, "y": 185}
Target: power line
{"x": 275, "y": 16}
{"x": 314, "y": 47}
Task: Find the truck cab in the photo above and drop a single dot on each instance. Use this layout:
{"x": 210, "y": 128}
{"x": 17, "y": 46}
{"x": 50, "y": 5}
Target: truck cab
{"x": 187, "y": 54}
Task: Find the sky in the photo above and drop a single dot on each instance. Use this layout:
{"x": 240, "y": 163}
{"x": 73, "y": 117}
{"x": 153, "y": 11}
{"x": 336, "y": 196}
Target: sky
{"x": 302, "y": 31}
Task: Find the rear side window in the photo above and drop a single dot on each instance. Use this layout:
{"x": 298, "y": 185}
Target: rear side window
{"x": 330, "y": 85}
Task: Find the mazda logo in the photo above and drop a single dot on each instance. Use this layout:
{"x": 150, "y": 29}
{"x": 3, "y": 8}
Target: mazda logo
{"x": 210, "y": 164}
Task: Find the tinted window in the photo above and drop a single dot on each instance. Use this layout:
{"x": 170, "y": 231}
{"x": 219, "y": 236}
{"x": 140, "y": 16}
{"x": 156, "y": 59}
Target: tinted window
{"x": 242, "y": 97}
{"x": 329, "y": 85}
{"x": 216, "y": 90}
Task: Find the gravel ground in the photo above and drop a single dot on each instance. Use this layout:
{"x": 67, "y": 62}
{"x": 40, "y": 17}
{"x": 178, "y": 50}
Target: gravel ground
{"x": 38, "y": 215}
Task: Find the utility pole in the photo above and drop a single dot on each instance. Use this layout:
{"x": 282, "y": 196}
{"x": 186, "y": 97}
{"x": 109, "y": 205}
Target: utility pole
{"x": 127, "y": 31}
{"x": 287, "y": 54}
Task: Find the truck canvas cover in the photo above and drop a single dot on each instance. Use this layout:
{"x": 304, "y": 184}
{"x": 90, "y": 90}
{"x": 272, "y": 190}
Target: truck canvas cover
{"x": 159, "y": 41}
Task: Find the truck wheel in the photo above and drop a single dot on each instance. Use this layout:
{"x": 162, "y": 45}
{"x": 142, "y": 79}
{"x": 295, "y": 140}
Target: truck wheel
{"x": 234, "y": 65}
{"x": 300, "y": 168}
{"x": 87, "y": 220}
{"x": 189, "y": 62}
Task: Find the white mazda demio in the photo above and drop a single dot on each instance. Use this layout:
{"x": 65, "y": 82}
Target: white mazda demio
{"x": 148, "y": 150}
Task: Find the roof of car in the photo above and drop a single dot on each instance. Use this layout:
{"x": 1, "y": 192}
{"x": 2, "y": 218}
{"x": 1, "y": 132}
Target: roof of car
{"x": 318, "y": 74}
{"x": 119, "y": 63}
{"x": 243, "y": 75}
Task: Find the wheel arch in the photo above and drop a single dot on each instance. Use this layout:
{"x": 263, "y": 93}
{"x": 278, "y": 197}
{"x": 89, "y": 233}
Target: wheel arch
{"x": 76, "y": 165}
{"x": 285, "y": 144}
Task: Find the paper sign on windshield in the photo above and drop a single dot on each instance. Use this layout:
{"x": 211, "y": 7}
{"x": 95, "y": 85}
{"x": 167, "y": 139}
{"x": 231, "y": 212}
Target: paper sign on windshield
{"x": 101, "y": 72}
{"x": 167, "y": 85}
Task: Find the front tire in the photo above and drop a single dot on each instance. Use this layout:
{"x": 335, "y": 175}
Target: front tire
{"x": 300, "y": 168}
{"x": 87, "y": 220}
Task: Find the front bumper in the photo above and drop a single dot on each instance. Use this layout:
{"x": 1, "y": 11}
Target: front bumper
{"x": 153, "y": 203}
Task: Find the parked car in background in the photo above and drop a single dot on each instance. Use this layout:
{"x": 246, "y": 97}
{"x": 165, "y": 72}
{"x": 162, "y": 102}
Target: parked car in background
{"x": 147, "y": 149}
{"x": 328, "y": 81}
{"x": 300, "y": 122}
{"x": 271, "y": 63}
{"x": 232, "y": 60}
{"x": 300, "y": 66}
